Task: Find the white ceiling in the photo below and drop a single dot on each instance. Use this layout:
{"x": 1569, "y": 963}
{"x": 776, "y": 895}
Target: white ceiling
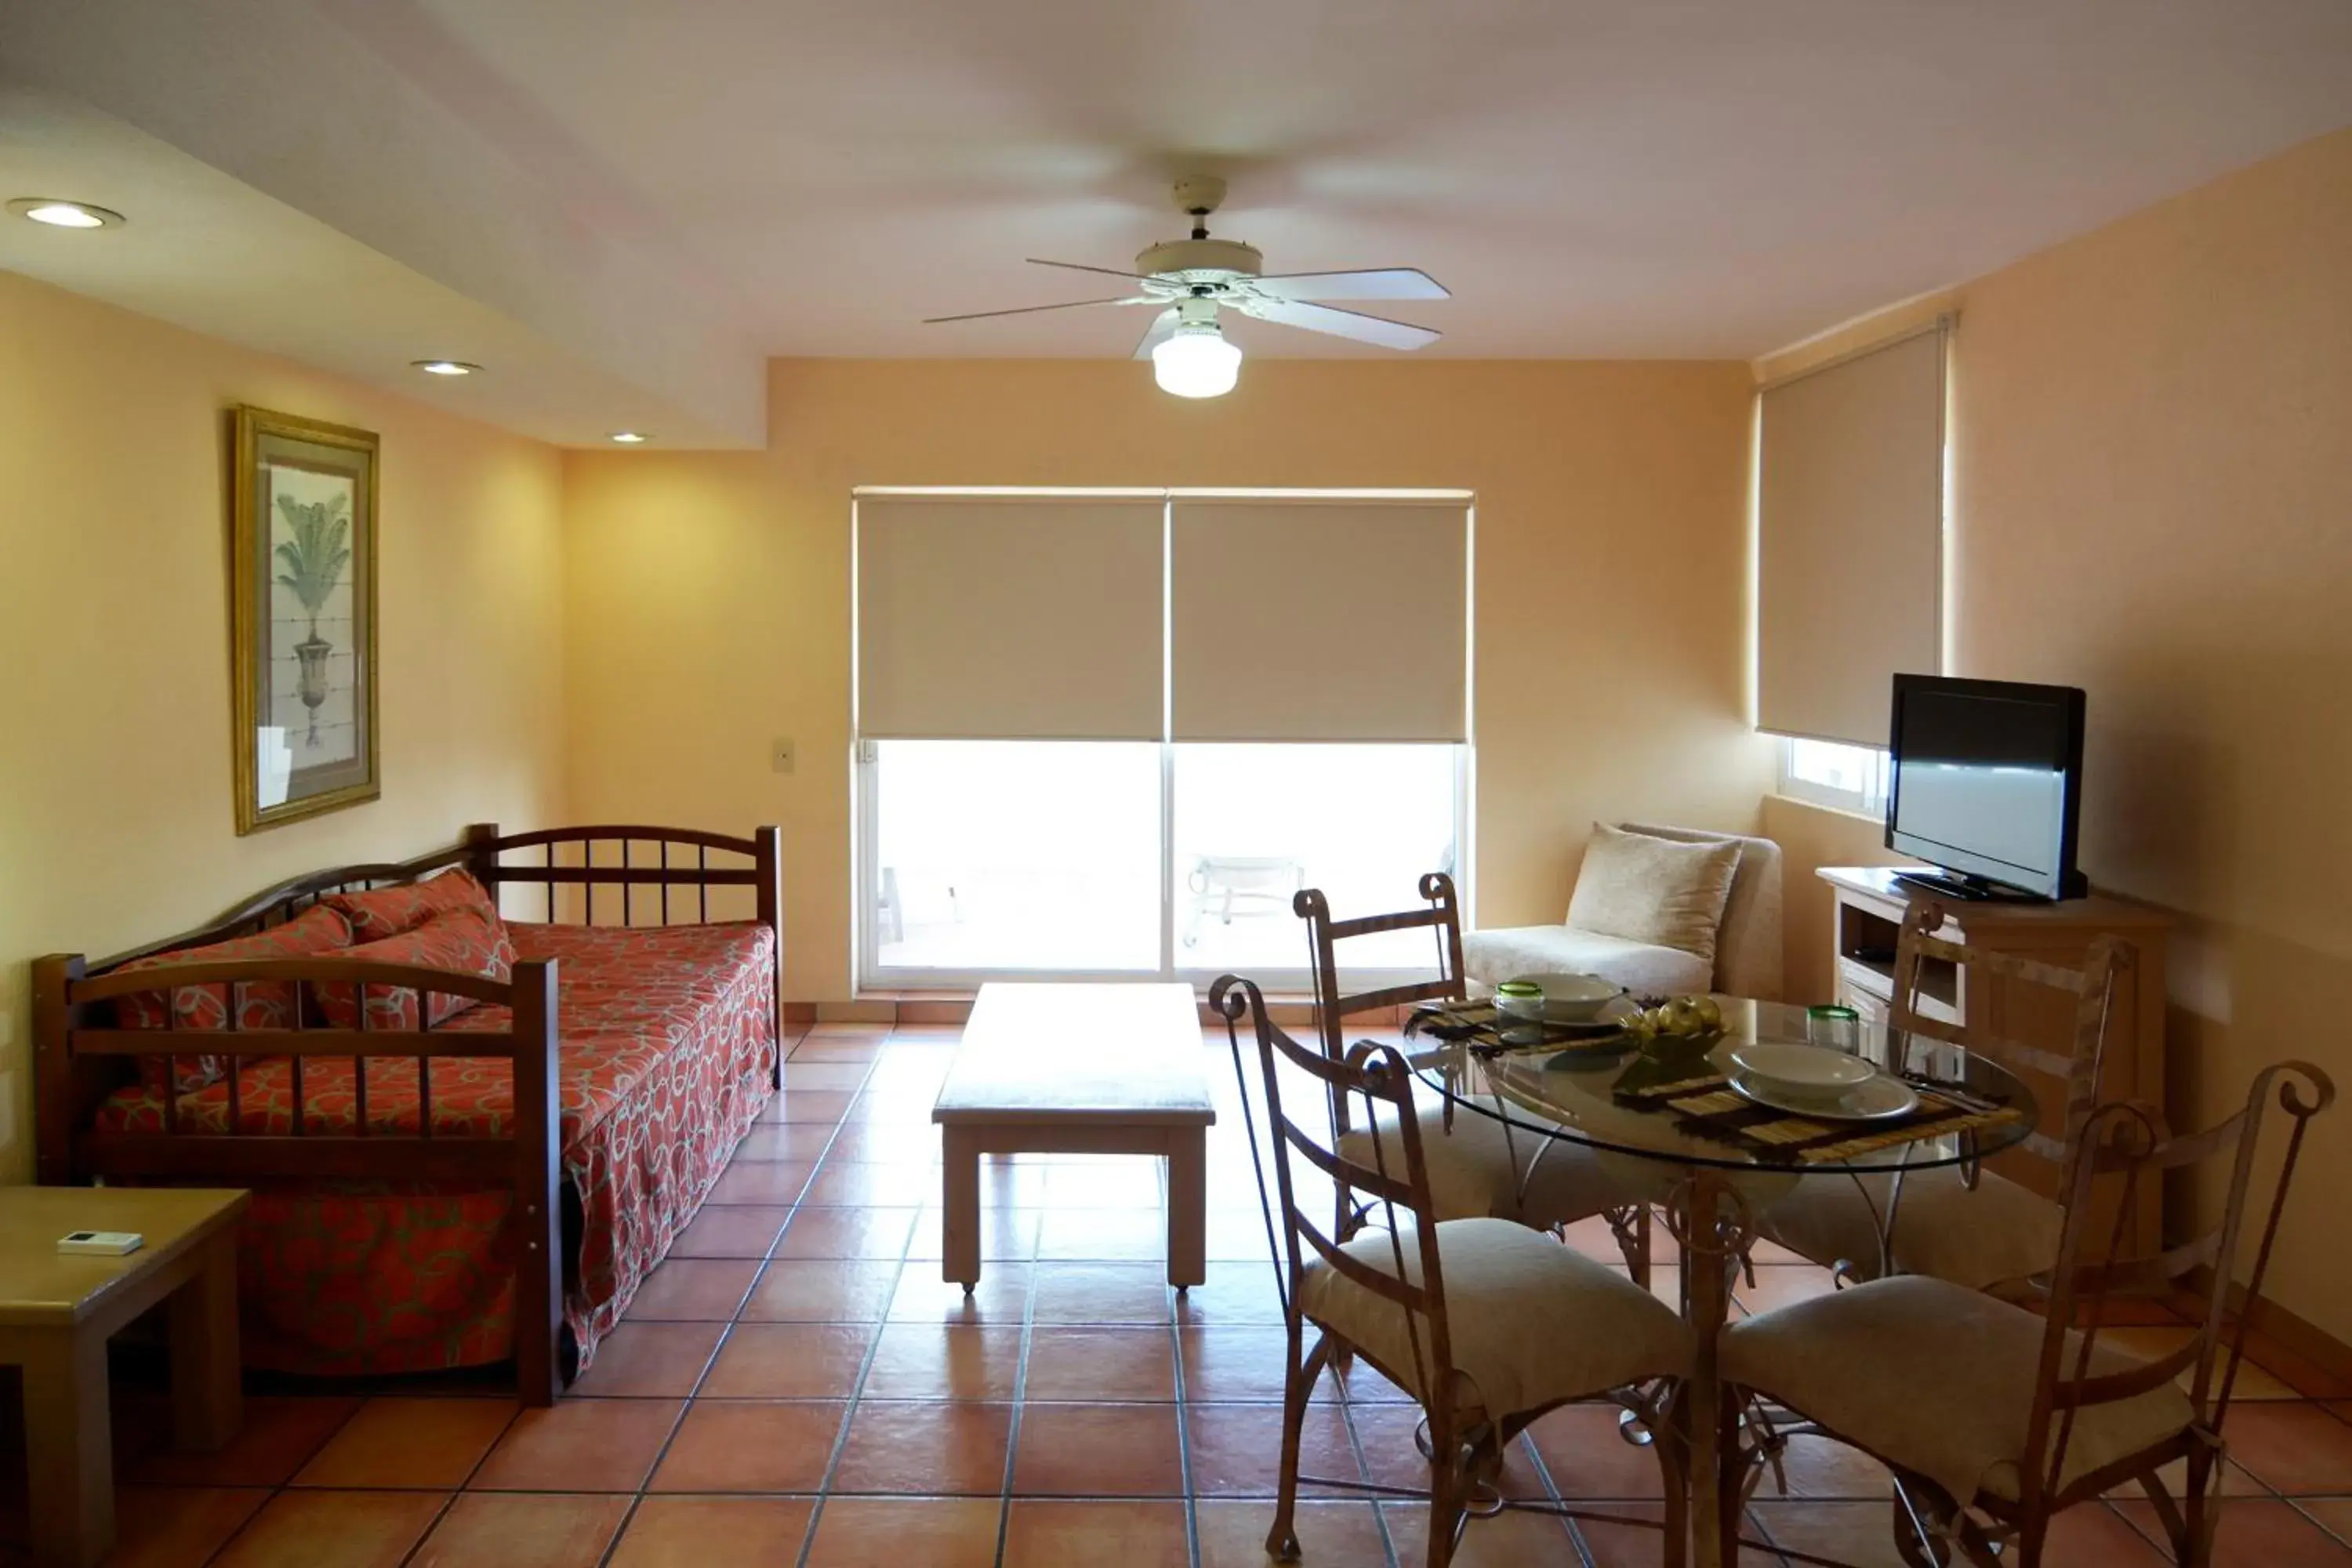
{"x": 1590, "y": 177}
{"x": 212, "y": 254}
{"x": 669, "y": 192}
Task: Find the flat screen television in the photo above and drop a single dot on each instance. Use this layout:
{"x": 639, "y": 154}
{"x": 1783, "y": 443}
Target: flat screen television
{"x": 1988, "y": 785}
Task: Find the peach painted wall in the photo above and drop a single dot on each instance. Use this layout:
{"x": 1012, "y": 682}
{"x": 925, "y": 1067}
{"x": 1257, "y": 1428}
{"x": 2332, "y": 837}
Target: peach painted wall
{"x": 116, "y": 822}
{"x": 2152, "y": 467}
{"x": 709, "y": 603}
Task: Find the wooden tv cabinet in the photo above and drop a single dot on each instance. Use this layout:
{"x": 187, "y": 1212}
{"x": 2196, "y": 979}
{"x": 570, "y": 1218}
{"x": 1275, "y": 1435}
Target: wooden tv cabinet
{"x": 1867, "y": 914}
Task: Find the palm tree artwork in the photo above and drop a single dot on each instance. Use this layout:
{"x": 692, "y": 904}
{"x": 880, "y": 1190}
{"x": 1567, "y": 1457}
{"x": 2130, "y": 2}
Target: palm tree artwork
{"x": 310, "y": 563}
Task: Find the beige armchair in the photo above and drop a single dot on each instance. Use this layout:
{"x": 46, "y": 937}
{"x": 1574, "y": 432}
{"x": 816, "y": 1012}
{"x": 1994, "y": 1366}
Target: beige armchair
{"x": 1747, "y": 959}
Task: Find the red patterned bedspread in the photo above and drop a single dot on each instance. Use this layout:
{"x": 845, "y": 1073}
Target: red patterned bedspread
{"x": 669, "y": 1047}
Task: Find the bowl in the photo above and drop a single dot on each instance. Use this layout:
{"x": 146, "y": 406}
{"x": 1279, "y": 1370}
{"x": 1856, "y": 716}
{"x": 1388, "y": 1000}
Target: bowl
{"x": 1574, "y": 999}
{"x": 1803, "y": 1072}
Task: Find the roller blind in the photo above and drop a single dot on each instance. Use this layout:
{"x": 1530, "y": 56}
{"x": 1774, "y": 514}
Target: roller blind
{"x": 1025, "y": 618}
{"x": 1308, "y": 620}
{"x": 1850, "y": 523}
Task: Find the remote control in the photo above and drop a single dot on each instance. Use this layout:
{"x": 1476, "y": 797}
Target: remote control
{"x": 101, "y": 1243}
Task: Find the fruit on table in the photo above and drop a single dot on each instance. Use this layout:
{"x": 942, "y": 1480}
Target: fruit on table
{"x": 1684, "y": 1017}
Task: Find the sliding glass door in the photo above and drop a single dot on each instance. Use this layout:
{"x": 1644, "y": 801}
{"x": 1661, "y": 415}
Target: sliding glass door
{"x": 1255, "y": 822}
{"x": 1102, "y": 736}
{"x": 1012, "y": 856}
{"x": 1063, "y": 860}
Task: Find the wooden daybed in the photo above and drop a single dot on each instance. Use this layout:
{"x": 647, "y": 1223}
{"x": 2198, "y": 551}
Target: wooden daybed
{"x": 581, "y": 1108}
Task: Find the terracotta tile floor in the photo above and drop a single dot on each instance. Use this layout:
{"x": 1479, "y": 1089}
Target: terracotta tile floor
{"x": 796, "y": 1386}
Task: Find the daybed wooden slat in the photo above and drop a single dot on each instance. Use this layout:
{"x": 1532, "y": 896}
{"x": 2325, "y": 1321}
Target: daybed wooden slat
{"x": 306, "y": 1043}
{"x": 536, "y": 1154}
{"x": 245, "y": 971}
{"x": 338, "y": 1156}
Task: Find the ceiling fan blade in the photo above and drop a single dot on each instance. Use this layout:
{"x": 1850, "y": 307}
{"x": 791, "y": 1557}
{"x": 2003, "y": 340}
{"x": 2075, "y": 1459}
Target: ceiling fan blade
{"x": 1340, "y": 323}
{"x": 1163, "y": 327}
{"x": 1082, "y": 266}
{"x": 1374, "y": 283}
{"x": 1033, "y": 309}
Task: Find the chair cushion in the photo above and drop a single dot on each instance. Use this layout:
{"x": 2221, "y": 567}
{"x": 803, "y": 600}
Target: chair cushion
{"x": 1476, "y": 1165}
{"x": 1655, "y": 890}
{"x": 1938, "y": 1379}
{"x": 1942, "y": 1229}
{"x": 1491, "y": 957}
{"x": 1530, "y": 1322}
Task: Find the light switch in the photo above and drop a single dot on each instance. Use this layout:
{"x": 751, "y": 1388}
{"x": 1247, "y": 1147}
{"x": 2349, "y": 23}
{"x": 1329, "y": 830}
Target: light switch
{"x": 780, "y": 754}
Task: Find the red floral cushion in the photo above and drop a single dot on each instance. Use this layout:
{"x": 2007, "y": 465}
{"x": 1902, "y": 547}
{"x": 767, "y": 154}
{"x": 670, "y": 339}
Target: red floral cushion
{"x": 260, "y": 1005}
{"x": 459, "y": 940}
{"x": 381, "y": 912}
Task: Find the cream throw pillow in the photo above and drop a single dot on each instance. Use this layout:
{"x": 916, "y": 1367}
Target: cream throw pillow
{"x": 1654, "y": 891}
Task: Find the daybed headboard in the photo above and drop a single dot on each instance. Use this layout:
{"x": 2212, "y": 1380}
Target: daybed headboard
{"x": 656, "y": 875}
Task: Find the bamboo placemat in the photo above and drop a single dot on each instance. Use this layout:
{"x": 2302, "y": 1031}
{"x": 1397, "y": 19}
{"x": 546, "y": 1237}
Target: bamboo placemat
{"x": 1721, "y": 1110}
{"x": 1482, "y": 1027}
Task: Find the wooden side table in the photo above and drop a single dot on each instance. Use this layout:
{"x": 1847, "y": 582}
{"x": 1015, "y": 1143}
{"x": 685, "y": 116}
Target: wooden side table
{"x": 1870, "y": 907}
{"x": 57, "y": 1310}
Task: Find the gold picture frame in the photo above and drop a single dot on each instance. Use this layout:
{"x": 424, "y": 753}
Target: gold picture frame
{"x": 303, "y": 603}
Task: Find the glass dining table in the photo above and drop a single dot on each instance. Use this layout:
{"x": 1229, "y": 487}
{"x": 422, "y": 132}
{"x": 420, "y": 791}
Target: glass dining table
{"x": 1679, "y": 1126}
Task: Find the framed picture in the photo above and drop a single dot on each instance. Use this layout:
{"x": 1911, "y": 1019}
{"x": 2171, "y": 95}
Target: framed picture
{"x": 302, "y": 617}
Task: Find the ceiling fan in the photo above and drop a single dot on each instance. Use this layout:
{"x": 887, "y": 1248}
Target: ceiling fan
{"x": 1189, "y": 280}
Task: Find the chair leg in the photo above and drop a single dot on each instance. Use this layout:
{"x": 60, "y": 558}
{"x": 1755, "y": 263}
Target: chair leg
{"x": 1446, "y": 1491}
{"x": 1637, "y": 1259}
{"x": 1732, "y": 1469}
{"x": 2194, "y": 1549}
{"x": 1298, "y": 1387}
{"x": 1670, "y": 1439}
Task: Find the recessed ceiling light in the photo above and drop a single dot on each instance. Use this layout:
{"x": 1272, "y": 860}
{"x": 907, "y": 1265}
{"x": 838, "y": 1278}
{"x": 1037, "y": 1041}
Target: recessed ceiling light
{"x": 630, "y": 438}
{"x": 60, "y": 214}
{"x": 445, "y": 367}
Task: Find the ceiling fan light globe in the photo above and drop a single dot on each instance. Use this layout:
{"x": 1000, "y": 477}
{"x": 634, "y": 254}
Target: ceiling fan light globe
{"x": 1197, "y": 362}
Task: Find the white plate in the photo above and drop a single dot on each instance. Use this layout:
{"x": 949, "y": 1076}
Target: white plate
{"x": 1808, "y": 1072}
{"x": 1874, "y": 1100}
{"x": 1574, "y": 999}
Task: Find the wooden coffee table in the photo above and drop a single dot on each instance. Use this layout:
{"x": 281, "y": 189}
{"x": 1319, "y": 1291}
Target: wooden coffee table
{"x": 58, "y": 1309}
{"x": 1079, "y": 1069}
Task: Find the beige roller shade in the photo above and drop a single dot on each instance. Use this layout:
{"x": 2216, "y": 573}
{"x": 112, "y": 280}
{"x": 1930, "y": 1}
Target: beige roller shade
{"x": 1319, "y": 621}
{"x": 1026, "y": 618}
{"x": 1850, "y": 518}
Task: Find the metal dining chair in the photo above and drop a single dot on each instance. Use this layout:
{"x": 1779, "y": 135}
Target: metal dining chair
{"x": 1994, "y": 1418}
{"x": 1479, "y": 1165}
{"x": 1959, "y": 1223}
{"x": 1486, "y": 1323}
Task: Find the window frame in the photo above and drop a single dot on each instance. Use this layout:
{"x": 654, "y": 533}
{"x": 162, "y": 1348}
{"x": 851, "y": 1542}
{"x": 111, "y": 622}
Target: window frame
{"x": 1870, "y": 801}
